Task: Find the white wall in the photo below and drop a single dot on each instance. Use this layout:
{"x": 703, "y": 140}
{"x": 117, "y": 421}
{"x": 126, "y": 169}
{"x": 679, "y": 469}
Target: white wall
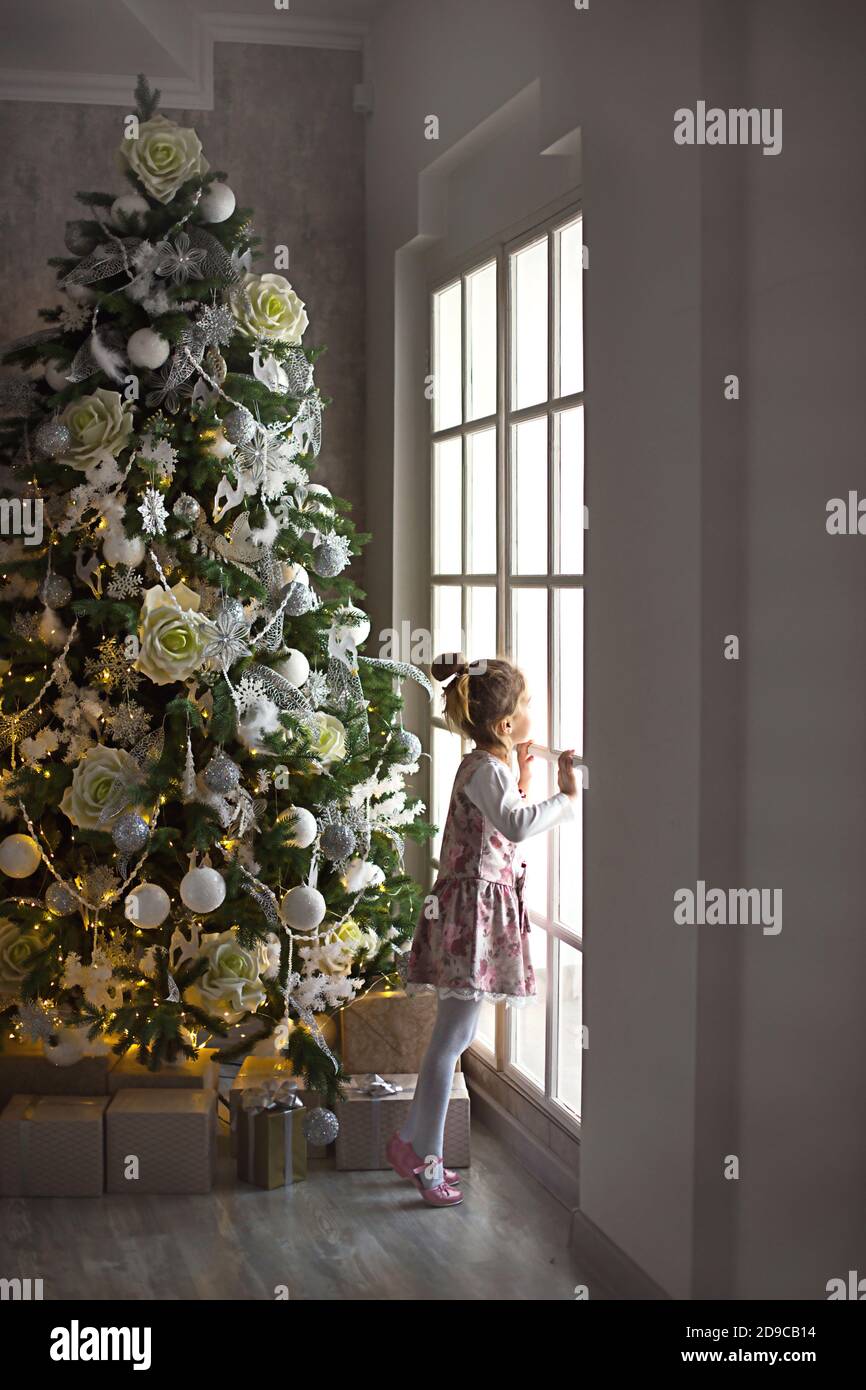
{"x": 706, "y": 518}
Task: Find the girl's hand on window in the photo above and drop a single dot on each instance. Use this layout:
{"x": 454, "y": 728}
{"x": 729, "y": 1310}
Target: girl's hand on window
{"x": 524, "y": 763}
{"x": 566, "y": 777}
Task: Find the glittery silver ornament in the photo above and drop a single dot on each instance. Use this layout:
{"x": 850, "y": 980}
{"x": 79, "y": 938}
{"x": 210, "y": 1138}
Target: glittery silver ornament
{"x": 221, "y": 774}
{"x": 337, "y": 841}
{"x": 321, "y": 1126}
{"x": 59, "y": 901}
{"x": 239, "y": 425}
{"x": 55, "y": 591}
{"x": 405, "y": 745}
{"x": 52, "y": 438}
{"x": 130, "y": 832}
{"x": 80, "y": 238}
{"x": 298, "y": 599}
{"x": 186, "y": 508}
{"x": 329, "y": 558}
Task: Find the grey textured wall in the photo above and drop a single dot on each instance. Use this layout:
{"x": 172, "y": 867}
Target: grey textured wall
{"x": 284, "y": 131}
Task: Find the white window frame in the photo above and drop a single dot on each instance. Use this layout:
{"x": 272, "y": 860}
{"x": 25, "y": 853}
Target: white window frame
{"x": 504, "y": 581}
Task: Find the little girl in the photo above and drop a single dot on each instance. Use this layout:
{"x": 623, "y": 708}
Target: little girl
{"x": 471, "y": 942}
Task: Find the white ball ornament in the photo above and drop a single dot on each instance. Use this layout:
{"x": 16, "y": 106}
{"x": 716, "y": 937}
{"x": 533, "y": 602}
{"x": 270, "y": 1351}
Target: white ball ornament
{"x": 353, "y": 621}
{"x": 321, "y": 497}
{"x": 202, "y": 890}
{"x": 219, "y": 447}
{"x": 20, "y": 856}
{"x": 129, "y": 211}
{"x": 294, "y": 574}
{"x": 216, "y": 203}
{"x": 303, "y": 908}
{"x": 120, "y": 549}
{"x": 304, "y": 826}
{"x": 147, "y": 349}
{"x": 294, "y": 667}
{"x": 147, "y": 906}
{"x": 55, "y": 374}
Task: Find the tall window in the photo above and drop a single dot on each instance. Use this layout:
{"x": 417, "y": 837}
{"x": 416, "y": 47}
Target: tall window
{"x": 507, "y": 470}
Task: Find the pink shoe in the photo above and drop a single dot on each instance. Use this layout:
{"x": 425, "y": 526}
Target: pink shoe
{"x": 442, "y": 1195}
{"x": 403, "y": 1158}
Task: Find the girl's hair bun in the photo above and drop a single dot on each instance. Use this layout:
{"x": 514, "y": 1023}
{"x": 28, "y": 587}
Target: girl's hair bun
{"x": 447, "y": 665}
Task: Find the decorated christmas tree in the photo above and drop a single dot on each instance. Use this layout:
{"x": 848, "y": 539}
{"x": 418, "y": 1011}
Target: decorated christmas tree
{"x": 202, "y": 777}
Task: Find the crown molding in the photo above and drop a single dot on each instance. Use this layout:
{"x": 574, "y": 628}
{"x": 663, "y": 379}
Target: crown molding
{"x": 195, "y": 91}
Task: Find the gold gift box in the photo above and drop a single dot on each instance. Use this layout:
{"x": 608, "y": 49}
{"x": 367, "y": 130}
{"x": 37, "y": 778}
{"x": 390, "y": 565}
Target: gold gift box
{"x": 253, "y": 1072}
{"x": 272, "y": 1147}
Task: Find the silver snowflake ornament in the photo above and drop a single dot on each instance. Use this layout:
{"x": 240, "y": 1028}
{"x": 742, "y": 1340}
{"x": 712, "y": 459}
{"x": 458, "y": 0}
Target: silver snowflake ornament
{"x": 229, "y": 640}
{"x": 153, "y": 513}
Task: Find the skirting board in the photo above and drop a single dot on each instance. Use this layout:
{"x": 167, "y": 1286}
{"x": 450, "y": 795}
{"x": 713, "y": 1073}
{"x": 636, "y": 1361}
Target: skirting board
{"x": 607, "y": 1270}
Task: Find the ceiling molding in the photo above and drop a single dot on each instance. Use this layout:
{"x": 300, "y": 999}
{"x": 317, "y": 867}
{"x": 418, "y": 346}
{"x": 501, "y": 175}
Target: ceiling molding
{"x": 195, "y": 91}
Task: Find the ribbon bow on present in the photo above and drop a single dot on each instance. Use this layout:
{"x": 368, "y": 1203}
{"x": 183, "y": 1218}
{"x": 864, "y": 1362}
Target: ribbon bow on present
{"x": 375, "y": 1085}
{"x": 276, "y": 1092}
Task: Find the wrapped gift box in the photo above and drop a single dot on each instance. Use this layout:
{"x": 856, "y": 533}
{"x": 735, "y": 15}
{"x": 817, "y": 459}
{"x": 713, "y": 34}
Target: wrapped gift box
{"x": 200, "y": 1074}
{"x": 271, "y": 1146}
{"x": 171, "y": 1132}
{"x": 368, "y": 1121}
{"x": 26, "y": 1070}
{"x": 386, "y": 1031}
{"x": 52, "y": 1146}
{"x": 252, "y": 1073}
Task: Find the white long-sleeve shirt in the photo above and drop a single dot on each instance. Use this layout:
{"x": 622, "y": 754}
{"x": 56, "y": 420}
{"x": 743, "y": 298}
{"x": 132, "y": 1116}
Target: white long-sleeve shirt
{"x": 493, "y": 789}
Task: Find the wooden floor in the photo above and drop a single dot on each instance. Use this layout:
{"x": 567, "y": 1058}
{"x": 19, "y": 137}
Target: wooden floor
{"x": 334, "y": 1236}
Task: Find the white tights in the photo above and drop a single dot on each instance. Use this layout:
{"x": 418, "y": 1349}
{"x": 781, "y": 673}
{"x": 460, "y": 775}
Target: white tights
{"x": 453, "y": 1031}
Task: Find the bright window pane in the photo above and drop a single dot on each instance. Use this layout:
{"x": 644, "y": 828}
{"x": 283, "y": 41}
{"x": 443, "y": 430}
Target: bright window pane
{"x": 481, "y": 622}
{"x": 447, "y": 619}
{"x": 448, "y": 506}
{"x": 447, "y": 385}
{"x": 568, "y": 453}
{"x": 535, "y": 851}
{"x": 529, "y": 644}
{"x": 481, "y": 342}
{"x": 570, "y": 308}
{"x": 570, "y": 1041}
{"x": 529, "y": 325}
{"x": 486, "y": 1032}
{"x": 528, "y": 1020}
{"x": 446, "y": 757}
{"x": 570, "y": 833}
{"x": 481, "y": 521}
{"x": 569, "y": 695}
{"x": 529, "y": 496}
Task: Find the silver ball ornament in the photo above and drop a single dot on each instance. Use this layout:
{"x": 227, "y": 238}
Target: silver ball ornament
{"x": 298, "y": 599}
{"x": 186, "y": 508}
{"x": 80, "y": 238}
{"x": 130, "y": 832}
{"x": 321, "y": 1126}
{"x": 231, "y": 610}
{"x": 405, "y": 745}
{"x": 221, "y": 774}
{"x": 52, "y": 438}
{"x": 59, "y": 901}
{"x": 55, "y": 590}
{"x": 239, "y": 425}
{"x": 328, "y": 559}
{"x": 337, "y": 842}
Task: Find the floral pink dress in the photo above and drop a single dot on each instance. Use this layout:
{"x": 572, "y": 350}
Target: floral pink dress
{"x": 472, "y": 936}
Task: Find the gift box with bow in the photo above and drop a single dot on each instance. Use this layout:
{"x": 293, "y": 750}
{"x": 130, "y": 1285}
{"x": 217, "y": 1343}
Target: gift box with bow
{"x": 271, "y": 1145}
{"x": 377, "y": 1104}
{"x": 253, "y": 1071}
